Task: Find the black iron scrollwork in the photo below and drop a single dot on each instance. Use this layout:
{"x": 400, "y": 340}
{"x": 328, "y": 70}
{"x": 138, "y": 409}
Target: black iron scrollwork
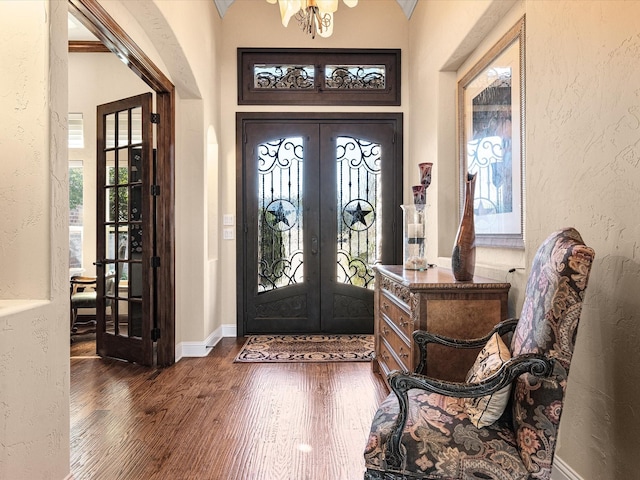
{"x": 355, "y": 77}
{"x": 293, "y": 77}
{"x": 279, "y": 153}
{"x": 279, "y": 272}
{"x": 360, "y": 153}
{"x": 354, "y": 271}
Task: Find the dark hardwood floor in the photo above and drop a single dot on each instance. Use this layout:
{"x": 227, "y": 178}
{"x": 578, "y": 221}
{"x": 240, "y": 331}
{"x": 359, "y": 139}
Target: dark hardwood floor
{"x": 212, "y": 419}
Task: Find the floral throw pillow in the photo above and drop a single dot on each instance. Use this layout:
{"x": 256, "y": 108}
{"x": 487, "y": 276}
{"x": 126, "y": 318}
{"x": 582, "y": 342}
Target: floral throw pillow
{"x": 483, "y": 411}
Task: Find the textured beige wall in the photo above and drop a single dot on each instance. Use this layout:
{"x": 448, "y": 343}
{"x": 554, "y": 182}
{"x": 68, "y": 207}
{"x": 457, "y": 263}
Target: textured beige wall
{"x": 583, "y": 153}
{"x": 582, "y": 137}
{"x": 24, "y": 189}
{"x": 34, "y": 337}
{"x": 182, "y": 39}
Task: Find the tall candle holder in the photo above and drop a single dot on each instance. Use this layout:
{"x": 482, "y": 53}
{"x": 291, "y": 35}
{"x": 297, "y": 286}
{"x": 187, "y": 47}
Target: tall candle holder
{"x": 414, "y": 233}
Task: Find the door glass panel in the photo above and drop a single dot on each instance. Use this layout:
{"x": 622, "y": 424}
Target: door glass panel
{"x": 358, "y": 186}
{"x": 135, "y": 175}
{"x": 136, "y": 125}
{"x": 123, "y": 128}
{"x": 110, "y": 199}
{"x": 110, "y": 130}
{"x": 120, "y": 314}
{"x": 280, "y": 222}
{"x": 122, "y": 201}
{"x": 135, "y": 225}
{"x": 135, "y": 319}
{"x": 123, "y": 166}
{"x": 111, "y": 310}
{"x": 123, "y": 244}
{"x": 111, "y": 161}
{"x": 135, "y": 280}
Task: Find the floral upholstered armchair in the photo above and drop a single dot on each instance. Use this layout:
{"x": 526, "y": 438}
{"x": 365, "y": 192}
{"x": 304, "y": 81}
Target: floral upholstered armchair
{"x": 502, "y": 423}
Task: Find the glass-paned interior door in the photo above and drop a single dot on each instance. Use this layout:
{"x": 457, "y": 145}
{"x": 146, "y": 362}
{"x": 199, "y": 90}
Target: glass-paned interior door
{"x": 125, "y": 230}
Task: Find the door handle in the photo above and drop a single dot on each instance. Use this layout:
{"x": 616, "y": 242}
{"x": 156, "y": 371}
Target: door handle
{"x": 314, "y": 245}
{"x": 98, "y": 263}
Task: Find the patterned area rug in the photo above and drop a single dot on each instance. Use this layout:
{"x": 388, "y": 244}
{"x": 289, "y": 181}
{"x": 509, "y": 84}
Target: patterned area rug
{"x": 307, "y": 348}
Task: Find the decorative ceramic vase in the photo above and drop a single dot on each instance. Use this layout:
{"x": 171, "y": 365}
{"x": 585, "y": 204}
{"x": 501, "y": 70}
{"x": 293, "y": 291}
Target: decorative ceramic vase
{"x": 463, "y": 258}
{"x": 425, "y": 173}
{"x": 419, "y": 196}
{"x": 415, "y": 241}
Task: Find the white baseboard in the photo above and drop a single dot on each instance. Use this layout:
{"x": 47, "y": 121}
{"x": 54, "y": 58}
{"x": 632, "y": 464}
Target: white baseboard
{"x": 202, "y": 349}
{"x": 562, "y": 471}
{"x": 229, "y": 330}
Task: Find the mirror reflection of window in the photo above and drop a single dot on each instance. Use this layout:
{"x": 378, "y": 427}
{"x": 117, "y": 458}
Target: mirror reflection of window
{"x": 489, "y": 150}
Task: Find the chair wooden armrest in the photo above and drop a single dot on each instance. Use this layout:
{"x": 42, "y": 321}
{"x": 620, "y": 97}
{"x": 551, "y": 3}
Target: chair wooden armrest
{"x": 401, "y": 383}
{"x": 422, "y": 338}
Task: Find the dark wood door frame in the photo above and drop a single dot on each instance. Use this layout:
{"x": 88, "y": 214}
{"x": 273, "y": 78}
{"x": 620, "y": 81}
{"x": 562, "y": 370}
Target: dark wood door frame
{"x": 242, "y": 118}
{"x": 93, "y": 16}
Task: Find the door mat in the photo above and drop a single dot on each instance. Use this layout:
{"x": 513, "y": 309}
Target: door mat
{"x": 307, "y": 348}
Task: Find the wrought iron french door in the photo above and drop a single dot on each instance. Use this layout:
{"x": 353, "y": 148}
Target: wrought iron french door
{"x": 320, "y": 205}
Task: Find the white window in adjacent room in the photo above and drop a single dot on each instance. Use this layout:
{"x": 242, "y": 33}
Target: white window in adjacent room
{"x": 76, "y": 130}
{"x": 75, "y": 214}
{"x": 76, "y": 191}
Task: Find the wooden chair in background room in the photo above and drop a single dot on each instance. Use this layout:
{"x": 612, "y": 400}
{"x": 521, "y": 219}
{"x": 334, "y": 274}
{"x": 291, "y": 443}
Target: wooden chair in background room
{"x": 84, "y": 295}
{"x": 502, "y": 423}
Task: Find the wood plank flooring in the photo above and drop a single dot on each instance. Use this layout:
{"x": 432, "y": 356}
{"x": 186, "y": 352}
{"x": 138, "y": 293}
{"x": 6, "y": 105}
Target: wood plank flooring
{"x": 209, "y": 418}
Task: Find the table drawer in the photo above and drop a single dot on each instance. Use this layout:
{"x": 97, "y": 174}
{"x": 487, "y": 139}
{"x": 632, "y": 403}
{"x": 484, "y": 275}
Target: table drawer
{"x": 387, "y": 361}
{"x": 399, "y": 345}
{"x": 397, "y": 314}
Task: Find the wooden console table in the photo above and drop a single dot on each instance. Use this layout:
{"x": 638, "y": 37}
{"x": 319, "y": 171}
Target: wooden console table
{"x": 432, "y": 300}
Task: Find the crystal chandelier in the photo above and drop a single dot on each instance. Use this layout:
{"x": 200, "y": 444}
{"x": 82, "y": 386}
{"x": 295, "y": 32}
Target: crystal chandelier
{"x": 313, "y": 16}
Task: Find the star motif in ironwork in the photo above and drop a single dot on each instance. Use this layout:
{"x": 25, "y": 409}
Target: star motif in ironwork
{"x": 280, "y": 214}
{"x": 358, "y": 215}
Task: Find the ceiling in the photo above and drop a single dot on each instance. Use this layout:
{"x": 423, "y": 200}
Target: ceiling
{"x": 78, "y": 32}
{"x": 406, "y": 5}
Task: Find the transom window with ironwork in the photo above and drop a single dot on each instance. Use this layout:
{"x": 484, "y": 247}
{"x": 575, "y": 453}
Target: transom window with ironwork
{"x": 318, "y": 77}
